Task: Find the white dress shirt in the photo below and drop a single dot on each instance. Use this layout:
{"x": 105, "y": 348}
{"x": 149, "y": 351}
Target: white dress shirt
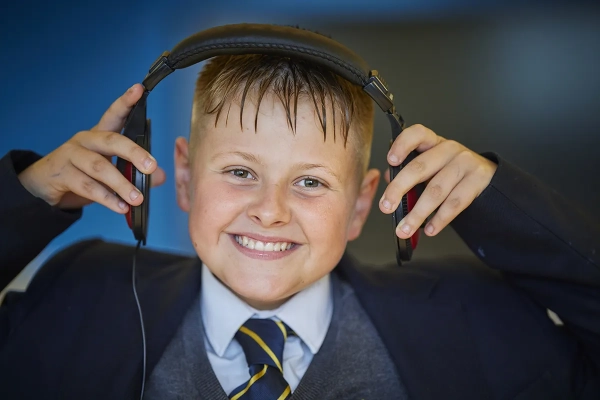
{"x": 308, "y": 314}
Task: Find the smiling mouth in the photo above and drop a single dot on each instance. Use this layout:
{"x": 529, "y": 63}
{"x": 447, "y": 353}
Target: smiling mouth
{"x": 252, "y": 244}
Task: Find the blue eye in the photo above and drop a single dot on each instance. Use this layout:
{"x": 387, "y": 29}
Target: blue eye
{"x": 241, "y": 173}
{"x": 310, "y": 183}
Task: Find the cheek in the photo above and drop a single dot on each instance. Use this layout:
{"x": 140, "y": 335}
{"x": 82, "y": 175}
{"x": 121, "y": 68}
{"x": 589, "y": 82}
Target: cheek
{"x": 214, "y": 206}
{"x": 325, "y": 222}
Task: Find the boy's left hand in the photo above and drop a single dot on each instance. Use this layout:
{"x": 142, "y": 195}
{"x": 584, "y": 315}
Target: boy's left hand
{"x": 456, "y": 177}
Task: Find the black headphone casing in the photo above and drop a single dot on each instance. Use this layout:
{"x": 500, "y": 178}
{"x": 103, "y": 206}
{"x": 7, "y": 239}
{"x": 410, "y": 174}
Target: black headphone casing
{"x": 277, "y": 40}
{"x": 139, "y": 129}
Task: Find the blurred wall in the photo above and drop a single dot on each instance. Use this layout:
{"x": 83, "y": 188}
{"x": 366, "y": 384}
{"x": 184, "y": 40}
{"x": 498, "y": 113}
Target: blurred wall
{"x": 512, "y": 77}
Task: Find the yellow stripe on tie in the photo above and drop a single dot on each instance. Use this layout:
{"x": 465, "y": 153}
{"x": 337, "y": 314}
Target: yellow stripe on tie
{"x": 263, "y": 345}
{"x": 283, "y": 330}
{"x": 250, "y": 382}
{"x": 285, "y": 393}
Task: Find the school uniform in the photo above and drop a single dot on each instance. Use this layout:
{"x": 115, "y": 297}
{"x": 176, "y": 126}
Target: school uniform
{"x": 438, "y": 329}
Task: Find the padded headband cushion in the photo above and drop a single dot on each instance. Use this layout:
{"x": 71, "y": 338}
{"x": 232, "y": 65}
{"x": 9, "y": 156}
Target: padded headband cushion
{"x": 270, "y": 39}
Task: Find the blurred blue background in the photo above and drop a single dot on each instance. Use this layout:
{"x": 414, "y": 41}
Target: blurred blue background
{"x": 516, "y": 77}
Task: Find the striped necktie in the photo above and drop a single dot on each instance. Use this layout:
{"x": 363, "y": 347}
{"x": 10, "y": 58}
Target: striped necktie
{"x": 262, "y": 341}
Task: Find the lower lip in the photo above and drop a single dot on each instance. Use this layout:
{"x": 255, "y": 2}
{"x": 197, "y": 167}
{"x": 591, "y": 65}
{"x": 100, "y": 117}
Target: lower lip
{"x": 262, "y": 255}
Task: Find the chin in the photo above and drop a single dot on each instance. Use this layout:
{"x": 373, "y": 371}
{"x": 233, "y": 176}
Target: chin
{"x": 259, "y": 291}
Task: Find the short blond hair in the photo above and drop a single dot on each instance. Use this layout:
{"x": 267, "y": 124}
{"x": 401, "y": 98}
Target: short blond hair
{"x": 335, "y": 100}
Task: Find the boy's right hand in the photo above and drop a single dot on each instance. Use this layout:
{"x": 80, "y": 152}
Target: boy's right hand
{"x": 80, "y": 171}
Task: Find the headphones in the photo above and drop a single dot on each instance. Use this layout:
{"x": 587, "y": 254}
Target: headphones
{"x": 282, "y": 41}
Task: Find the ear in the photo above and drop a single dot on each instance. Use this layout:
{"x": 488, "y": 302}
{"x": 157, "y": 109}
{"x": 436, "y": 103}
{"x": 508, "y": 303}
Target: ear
{"x": 364, "y": 201}
{"x": 182, "y": 173}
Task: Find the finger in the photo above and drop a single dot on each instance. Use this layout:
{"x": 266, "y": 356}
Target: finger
{"x": 386, "y": 175}
{"x": 115, "y": 144}
{"x": 436, "y": 192}
{"x": 86, "y": 187}
{"x": 158, "y": 177}
{"x": 416, "y": 137}
{"x": 421, "y": 169}
{"x": 114, "y": 118}
{"x": 101, "y": 170}
{"x": 459, "y": 198}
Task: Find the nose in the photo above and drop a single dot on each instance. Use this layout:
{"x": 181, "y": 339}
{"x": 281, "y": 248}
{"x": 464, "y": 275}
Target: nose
{"x": 270, "y": 206}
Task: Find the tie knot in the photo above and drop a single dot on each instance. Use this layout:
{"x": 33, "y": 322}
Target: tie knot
{"x": 262, "y": 341}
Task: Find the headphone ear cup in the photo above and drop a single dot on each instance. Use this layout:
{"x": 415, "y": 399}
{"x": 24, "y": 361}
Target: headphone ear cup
{"x": 138, "y": 215}
{"x": 129, "y": 175}
{"x": 405, "y": 247}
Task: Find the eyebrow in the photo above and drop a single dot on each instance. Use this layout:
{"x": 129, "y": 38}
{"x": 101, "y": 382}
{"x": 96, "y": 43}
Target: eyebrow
{"x": 246, "y": 156}
{"x": 319, "y": 166}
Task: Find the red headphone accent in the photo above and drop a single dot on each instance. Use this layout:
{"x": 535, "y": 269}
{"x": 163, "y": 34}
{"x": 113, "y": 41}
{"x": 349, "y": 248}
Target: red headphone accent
{"x": 411, "y": 200}
{"x": 129, "y": 176}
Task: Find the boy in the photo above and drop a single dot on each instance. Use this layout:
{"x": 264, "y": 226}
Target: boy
{"x": 275, "y": 185}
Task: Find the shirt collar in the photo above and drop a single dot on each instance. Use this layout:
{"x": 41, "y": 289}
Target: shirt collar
{"x": 308, "y": 313}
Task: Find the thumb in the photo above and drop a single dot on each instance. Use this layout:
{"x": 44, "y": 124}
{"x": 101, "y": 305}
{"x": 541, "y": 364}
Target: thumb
{"x": 158, "y": 177}
{"x": 114, "y": 118}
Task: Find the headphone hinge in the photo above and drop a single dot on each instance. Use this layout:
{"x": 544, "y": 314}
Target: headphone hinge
{"x": 158, "y": 71}
{"x": 377, "y": 89}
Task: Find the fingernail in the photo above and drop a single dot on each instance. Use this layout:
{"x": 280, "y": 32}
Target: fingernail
{"x": 148, "y": 162}
{"x": 134, "y": 194}
{"x": 393, "y": 159}
{"x": 122, "y": 205}
{"x": 429, "y": 229}
{"x": 404, "y": 227}
{"x": 386, "y": 204}
{"x": 130, "y": 90}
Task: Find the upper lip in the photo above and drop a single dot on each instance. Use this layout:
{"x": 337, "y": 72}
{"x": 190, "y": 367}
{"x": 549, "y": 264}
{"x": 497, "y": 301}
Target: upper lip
{"x": 264, "y": 239}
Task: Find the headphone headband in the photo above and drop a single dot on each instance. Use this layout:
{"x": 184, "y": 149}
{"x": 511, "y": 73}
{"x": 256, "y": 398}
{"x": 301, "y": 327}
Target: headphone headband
{"x": 262, "y": 39}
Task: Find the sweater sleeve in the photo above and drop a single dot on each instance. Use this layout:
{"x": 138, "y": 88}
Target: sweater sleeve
{"x": 27, "y": 223}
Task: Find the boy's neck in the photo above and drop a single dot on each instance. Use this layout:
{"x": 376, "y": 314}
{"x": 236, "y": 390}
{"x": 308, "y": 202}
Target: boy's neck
{"x": 263, "y": 306}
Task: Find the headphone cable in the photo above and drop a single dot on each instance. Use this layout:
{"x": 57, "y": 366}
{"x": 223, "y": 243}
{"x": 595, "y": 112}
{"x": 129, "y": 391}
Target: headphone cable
{"x": 139, "y": 307}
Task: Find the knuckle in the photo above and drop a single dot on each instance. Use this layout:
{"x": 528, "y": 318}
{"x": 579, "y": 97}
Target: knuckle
{"x": 454, "y": 203}
{"x": 393, "y": 192}
{"x": 435, "y": 191}
{"x": 414, "y": 217}
{"x": 416, "y": 166}
{"x": 69, "y": 147}
{"x": 77, "y": 137}
{"x": 441, "y": 218}
{"x": 419, "y": 128}
{"x": 111, "y": 138}
{"x": 452, "y": 145}
{"x": 98, "y": 164}
{"x": 465, "y": 156}
{"x": 137, "y": 153}
{"x": 423, "y": 131}
{"x": 88, "y": 186}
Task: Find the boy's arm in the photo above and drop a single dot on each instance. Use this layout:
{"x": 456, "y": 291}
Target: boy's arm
{"x": 540, "y": 241}
{"x": 27, "y": 223}
{"x": 39, "y": 194}
{"x": 543, "y": 243}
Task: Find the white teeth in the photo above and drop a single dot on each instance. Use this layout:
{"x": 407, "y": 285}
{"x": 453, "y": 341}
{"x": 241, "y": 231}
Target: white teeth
{"x": 261, "y": 246}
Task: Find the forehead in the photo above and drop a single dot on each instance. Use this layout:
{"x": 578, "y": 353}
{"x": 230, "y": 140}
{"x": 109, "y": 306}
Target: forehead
{"x": 271, "y": 119}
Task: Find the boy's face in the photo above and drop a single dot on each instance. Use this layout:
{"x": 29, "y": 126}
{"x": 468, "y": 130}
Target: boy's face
{"x": 270, "y": 212}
